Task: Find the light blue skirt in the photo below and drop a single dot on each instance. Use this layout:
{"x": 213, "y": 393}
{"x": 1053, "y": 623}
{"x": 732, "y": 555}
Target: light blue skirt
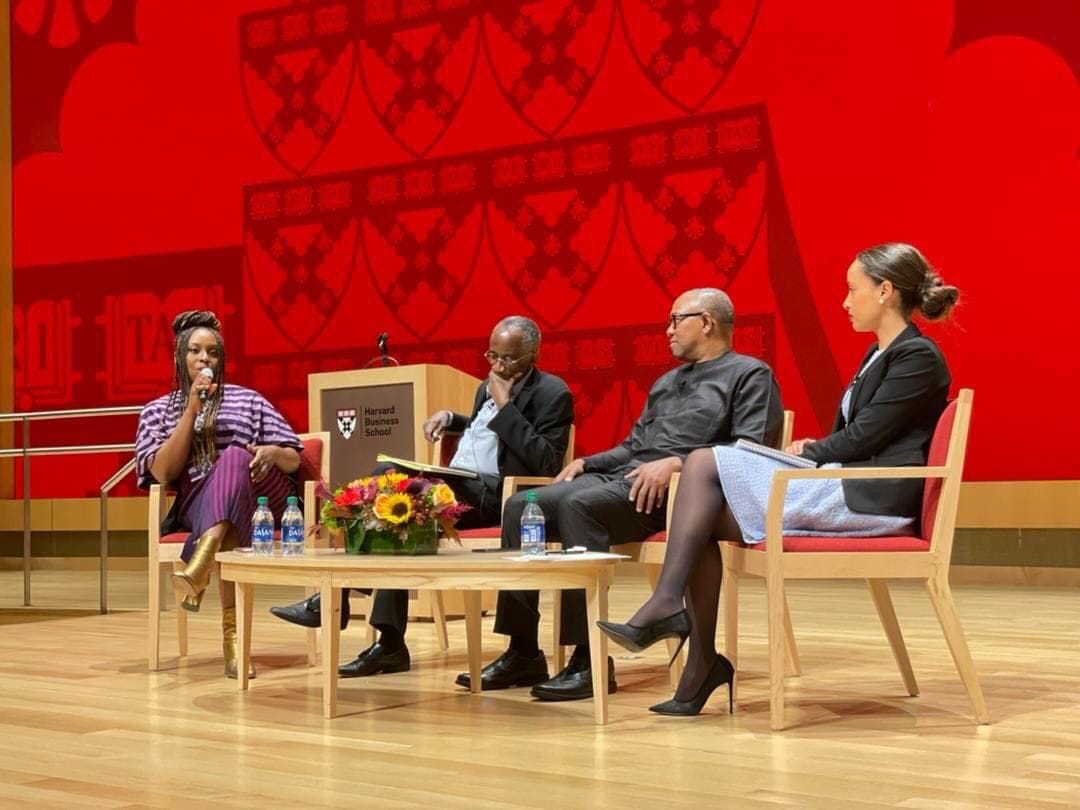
{"x": 811, "y": 507}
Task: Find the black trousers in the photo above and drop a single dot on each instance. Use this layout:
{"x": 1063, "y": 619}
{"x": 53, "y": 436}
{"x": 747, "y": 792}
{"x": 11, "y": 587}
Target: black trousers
{"x": 593, "y": 510}
{"x": 391, "y": 608}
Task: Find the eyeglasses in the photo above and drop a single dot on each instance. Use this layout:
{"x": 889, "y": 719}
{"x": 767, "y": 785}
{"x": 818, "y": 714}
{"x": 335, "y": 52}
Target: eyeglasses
{"x": 678, "y": 317}
{"x": 505, "y": 359}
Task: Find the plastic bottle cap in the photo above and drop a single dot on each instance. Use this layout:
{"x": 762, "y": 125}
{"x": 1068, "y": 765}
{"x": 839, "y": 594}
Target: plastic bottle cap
{"x": 293, "y": 499}
{"x": 530, "y": 496}
{"x": 262, "y": 500}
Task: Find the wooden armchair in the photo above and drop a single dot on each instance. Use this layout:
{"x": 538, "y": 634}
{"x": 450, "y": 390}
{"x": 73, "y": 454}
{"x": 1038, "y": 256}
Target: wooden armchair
{"x": 875, "y": 559}
{"x": 161, "y": 550}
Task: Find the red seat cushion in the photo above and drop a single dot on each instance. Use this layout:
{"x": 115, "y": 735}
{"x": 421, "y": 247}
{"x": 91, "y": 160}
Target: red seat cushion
{"x": 656, "y": 537}
{"x": 797, "y": 544}
{"x": 480, "y": 534}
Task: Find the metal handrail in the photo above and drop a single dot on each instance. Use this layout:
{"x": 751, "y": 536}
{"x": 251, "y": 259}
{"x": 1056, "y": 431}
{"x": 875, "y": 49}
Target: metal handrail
{"x": 66, "y": 450}
{"x": 25, "y": 452}
{"x": 74, "y": 413}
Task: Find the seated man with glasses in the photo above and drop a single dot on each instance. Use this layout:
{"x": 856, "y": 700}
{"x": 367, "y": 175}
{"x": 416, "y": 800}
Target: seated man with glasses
{"x": 520, "y": 425}
{"x": 716, "y": 397}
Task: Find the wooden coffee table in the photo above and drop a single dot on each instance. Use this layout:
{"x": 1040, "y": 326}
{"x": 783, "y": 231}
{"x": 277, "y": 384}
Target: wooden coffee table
{"x": 330, "y": 570}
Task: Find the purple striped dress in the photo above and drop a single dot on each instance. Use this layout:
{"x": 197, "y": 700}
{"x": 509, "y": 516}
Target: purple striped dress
{"x": 224, "y": 492}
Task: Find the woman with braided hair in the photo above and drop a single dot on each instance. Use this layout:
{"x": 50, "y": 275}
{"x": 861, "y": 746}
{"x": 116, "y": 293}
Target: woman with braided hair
{"x": 220, "y": 446}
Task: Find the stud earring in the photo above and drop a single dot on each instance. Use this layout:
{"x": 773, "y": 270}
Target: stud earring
{"x": 881, "y": 300}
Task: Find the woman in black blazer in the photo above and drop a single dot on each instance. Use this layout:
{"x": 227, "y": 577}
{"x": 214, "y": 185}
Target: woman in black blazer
{"x": 886, "y": 418}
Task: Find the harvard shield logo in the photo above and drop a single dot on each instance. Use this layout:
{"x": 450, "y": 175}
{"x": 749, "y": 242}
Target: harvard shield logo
{"x": 346, "y": 422}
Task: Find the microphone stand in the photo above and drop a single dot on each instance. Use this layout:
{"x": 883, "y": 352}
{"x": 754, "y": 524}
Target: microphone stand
{"x": 384, "y": 359}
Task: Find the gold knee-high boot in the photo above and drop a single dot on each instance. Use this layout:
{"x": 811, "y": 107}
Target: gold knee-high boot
{"x": 192, "y": 581}
{"x": 230, "y": 647}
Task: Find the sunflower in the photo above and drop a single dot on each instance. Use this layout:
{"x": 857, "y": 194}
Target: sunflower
{"x": 395, "y": 509}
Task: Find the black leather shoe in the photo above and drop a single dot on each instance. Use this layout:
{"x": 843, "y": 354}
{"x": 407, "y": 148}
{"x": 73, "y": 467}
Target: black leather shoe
{"x": 307, "y": 613}
{"x": 376, "y": 659}
{"x": 574, "y": 682}
{"x": 509, "y": 669}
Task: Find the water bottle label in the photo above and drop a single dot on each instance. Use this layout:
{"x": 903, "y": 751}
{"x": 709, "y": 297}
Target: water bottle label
{"x": 532, "y": 533}
{"x": 262, "y": 534}
{"x": 292, "y": 534}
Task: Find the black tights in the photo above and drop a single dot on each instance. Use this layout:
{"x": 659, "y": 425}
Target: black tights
{"x": 693, "y": 566}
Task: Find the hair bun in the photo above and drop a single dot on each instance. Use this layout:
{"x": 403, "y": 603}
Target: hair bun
{"x": 195, "y": 319}
{"x": 936, "y": 298}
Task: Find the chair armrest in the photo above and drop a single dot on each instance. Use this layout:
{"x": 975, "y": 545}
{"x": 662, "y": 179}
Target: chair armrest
{"x": 158, "y": 494}
{"x": 513, "y": 483}
{"x": 311, "y": 518}
{"x": 774, "y": 511}
{"x": 861, "y": 472}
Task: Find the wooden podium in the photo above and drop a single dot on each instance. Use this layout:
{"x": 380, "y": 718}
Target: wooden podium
{"x": 382, "y": 410}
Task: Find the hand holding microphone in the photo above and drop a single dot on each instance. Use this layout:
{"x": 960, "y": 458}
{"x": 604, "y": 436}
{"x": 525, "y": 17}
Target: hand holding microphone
{"x": 208, "y": 374}
{"x": 202, "y": 387}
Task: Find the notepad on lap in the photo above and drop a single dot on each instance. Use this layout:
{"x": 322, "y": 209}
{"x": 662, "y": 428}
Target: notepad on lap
{"x": 431, "y": 469}
{"x": 774, "y": 454}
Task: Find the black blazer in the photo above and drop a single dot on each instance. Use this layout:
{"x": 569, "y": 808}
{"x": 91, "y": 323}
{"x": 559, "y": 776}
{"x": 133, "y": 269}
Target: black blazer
{"x": 895, "y": 407}
{"x": 533, "y": 428}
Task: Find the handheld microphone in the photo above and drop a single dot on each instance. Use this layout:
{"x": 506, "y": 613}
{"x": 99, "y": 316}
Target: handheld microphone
{"x": 209, "y": 374}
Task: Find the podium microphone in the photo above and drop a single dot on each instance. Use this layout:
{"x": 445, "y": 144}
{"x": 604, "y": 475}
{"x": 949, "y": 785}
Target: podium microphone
{"x": 209, "y": 374}
{"x": 384, "y": 358}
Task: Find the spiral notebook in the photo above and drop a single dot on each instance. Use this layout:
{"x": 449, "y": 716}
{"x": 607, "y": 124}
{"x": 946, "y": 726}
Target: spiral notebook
{"x": 775, "y": 455}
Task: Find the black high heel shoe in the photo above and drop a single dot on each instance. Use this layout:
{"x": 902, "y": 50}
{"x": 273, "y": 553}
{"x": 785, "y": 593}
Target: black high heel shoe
{"x": 720, "y": 673}
{"x": 637, "y": 639}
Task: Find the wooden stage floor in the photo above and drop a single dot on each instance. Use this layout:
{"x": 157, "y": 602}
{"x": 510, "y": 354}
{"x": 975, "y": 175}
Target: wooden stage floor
{"x": 82, "y": 724}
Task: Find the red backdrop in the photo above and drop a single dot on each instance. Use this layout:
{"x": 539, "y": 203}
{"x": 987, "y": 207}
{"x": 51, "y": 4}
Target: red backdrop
{"x": 318, "y": 172}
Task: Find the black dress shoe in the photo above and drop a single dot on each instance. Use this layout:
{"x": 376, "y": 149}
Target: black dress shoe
{"x": 376, "y": 659}
{"x": 574, "y": 682}
{"x": 307, "y": 612}
{"x": 509, "y": 669}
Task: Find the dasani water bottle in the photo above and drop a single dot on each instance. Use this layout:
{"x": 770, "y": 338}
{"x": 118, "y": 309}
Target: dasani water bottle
{"x": 262, "y": 528}
{"x": 292, "y": 528}
{"x": 532, "y": 527}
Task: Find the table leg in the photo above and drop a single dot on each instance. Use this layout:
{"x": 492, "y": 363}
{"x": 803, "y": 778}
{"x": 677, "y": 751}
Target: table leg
{"x": 244, "y": 591}
{"x": 596, "y": 592}
{"x": 472, "y": 636}
{"x": 330, "y": 601}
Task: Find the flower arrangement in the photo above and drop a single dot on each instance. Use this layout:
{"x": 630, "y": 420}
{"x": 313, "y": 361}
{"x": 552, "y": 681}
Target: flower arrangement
{"x": 391, "y": 502}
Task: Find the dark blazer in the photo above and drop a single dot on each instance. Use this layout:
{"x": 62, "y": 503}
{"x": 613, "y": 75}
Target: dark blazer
{"x": 533, "y": 428}
{"x": 895, "y": 407}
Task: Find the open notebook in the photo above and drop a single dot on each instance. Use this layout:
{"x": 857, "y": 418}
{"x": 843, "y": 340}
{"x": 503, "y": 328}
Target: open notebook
{"x": 776, "y": 455}
{"x": 430, "y": 469}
